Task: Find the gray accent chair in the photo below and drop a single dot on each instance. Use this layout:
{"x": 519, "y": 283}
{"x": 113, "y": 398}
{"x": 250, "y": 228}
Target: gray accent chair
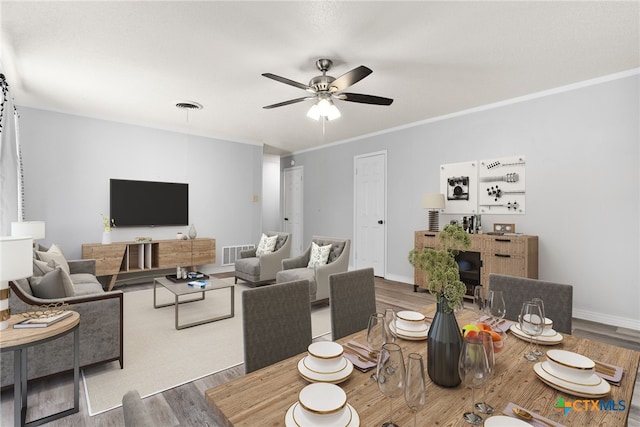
{"x": 101, "y": 326}
{"x": 318, "y": 277}
{"x": 261, "y": 270}
{"x": 135, "y": 413}
{"x": 352, "y": 297}
{"x": 276, "y": 323}
{"x": 558, "y": 298}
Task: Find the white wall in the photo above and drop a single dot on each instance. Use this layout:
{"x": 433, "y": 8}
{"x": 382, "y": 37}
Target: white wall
{"x": 583, "y": 197}
{"x": 68, "y": 161}
{"x": 271, "y": 218}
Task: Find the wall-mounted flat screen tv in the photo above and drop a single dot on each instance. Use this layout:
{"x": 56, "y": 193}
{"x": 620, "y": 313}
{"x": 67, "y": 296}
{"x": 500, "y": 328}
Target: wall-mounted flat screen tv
{"x": 148, "y": 203}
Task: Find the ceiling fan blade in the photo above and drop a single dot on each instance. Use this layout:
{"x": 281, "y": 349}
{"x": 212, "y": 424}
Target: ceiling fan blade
{"x": 349, "y": 78}
{"x": 291, "y": 101}
{"x": 288, "y": 82}
{"x": 364, "y": 99}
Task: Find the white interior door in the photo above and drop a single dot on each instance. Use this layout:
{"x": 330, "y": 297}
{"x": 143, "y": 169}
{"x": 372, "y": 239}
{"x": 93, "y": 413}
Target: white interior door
{"x": 293, "y": 197}
{"x": 370, "y": 211}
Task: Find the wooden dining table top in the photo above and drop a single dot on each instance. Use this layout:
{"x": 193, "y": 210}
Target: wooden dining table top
{"x": 263, "y": 396}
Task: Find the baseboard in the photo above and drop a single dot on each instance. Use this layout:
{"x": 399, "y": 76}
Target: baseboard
{"x": 621, "y": 322}
{"x": 397, "y": 278}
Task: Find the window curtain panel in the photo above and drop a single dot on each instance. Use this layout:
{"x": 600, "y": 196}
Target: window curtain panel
{"x": 11, "y": 184}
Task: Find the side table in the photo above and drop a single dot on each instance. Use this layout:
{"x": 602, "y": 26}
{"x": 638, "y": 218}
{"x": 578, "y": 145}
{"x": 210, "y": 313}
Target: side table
{"x": 18, "y": 340}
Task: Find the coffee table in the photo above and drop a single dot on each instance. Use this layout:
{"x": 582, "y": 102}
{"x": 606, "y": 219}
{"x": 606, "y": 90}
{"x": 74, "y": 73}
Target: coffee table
{"x": 180, "y": 289}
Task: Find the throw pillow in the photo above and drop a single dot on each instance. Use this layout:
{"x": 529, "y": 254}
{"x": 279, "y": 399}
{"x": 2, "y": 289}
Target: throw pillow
{"x": 266, "y": 245}
{"x": 54, "y": 253}
{"x": 53, "y": 285}
{"x": 319, "y": 255}
{"x": 40, "y": 268}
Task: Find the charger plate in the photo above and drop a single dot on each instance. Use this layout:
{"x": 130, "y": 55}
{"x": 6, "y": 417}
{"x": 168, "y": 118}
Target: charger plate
{"x": 331, "y": 377}
{"x": 504, "y": 421}
{"x": 290, "y": 421}
{"x": 409, "y": 335}
{"x": 600, "y": 390}
{"x": 549, "y": 338}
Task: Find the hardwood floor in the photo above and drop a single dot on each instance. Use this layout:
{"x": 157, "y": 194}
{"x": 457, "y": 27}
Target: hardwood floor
{"x": 185, "y": 405}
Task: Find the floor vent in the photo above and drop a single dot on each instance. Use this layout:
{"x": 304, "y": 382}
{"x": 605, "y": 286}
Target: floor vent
{"x": 231, "y": 253}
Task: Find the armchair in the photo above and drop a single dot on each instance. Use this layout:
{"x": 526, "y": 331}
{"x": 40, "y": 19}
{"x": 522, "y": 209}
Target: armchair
{"x": 294, "y": 269}
{"x": 261, "y": 270}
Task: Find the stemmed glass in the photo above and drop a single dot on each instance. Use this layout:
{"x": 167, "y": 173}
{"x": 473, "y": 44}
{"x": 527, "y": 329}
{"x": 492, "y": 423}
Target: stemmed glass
{"x": 376, "y": 335}
{"x": 487, "y": 341}
{"x": 474, "y": 372}
{"x": 478, "y": 300}
{"x": 540, "y": 303}
{"x": 497, "y": 306}
{"x": 414, "y": 390}
{"x": 391, "y": 374}
{"x": 389, "y": 317}
{"x": 531, "y": 323}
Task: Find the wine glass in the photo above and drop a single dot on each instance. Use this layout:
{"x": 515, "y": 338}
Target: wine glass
{"x": 389, "y": 317}
{"x": 414, "y": 389}
{"x": 376, "y": 335}
{"x": 497, "y": 306}
{"x": 478, "y": 299}
{"x": 391, "y": 374}
{"x": 531, "y": 323}
{"x": 540, "y": 303}
{"x": 487, "y": 341}
{"x": 474, "y": 372}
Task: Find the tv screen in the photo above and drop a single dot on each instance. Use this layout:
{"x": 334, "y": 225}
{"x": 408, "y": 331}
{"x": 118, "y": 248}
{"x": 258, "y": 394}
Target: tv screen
{"x": 148, "y": 203}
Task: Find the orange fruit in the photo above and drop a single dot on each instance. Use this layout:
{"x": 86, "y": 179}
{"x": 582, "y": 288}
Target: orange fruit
{"x": 483, "y": 326}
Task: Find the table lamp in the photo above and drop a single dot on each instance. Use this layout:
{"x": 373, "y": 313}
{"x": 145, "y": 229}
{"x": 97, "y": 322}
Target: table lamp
{"x": 35, "y": 229}
{"x": 16, "y": 262}
{"x": 433, "y": 202}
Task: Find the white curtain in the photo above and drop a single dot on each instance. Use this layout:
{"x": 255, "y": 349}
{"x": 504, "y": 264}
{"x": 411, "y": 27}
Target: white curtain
{"x": 11, "y": 183}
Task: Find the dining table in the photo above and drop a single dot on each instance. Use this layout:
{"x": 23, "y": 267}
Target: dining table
{"x": 264, "y": 396}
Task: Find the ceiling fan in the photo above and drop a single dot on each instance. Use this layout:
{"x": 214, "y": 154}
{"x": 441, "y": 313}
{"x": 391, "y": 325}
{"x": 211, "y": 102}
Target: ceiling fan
{"x": 325, "y": 87}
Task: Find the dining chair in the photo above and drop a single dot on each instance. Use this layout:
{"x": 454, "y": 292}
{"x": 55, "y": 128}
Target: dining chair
{"x": 558, "y": 298}
{"x": 135, "y": 413}
{"x": 352, "y": 298}
{"x": 276, "y": 323}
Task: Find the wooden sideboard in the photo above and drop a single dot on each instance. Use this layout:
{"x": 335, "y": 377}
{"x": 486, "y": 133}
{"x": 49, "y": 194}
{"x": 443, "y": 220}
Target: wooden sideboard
{"x": 129, "y": 257}
{"x": 512, "y": 255}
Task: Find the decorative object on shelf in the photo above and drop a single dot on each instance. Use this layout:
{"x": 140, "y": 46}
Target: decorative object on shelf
{"x": 143, "y": 239}
{"x": 33, "y": 229}
{"x": 434, "y": 202}
{"x": 504, "y": 228}
{"x": 107, "y": 223}
{"x": 192, "y": 232}
{"x": 16, "y": 262}
{"x": 179, "y": 235}
{"x": 443, "y": 281}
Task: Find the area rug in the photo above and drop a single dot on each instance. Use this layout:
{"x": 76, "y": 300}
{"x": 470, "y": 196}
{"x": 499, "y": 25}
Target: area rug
{"x": 158, "y": 357}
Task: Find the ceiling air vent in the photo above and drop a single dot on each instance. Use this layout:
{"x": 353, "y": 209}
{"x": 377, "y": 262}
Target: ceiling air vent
{"x": 189, "y": 105}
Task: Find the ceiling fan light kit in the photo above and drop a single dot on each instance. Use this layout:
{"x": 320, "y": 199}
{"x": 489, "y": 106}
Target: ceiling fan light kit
{"x": 325, "y": 87}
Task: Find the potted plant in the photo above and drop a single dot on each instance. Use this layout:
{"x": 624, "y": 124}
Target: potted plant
{"x": 444, "y": 340}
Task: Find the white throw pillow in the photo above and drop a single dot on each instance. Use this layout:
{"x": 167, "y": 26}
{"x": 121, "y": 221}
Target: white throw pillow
{"x": 266, "y": 245}
{"x": 319, "y": 255}
{"x": 54, "y": 253}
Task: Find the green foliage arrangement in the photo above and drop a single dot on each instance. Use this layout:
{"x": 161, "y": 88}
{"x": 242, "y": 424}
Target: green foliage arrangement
{"x": 441, "y": 268}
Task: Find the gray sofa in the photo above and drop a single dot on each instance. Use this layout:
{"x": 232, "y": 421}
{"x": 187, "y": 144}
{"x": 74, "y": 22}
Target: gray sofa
{"x": 261, "y": 270}
{"x": 294, "y": 269}
{"x": 101, "y": 326}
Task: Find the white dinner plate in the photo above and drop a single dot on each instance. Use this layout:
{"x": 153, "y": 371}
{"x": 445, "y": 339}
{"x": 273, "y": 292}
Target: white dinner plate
{"x": 504, "y": 421}
{"x": 290, "y": 421}
{"x": 553, "y": 339}
{"x": 409, "y": 335}
{"x": 600, "y": 390}
{"x": 331, "y": 377}
{"x": 588, "y": 380}
{"x": 312, "y": 365}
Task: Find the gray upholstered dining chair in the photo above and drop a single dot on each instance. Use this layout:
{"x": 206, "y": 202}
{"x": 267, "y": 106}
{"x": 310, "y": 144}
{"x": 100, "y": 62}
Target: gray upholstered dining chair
{"x": 558, "y": 298}
{"x": 135, "y": 413}
{"x": 276, "y": 323}
{"x": 352, "y": 298}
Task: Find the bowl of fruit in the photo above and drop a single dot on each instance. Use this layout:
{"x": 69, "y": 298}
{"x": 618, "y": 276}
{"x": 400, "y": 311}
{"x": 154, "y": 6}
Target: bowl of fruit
{"x": 473, "y": 330}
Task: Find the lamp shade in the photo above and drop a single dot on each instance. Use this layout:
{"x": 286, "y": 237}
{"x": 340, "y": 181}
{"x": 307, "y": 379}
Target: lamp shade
{"x": 433, "y": 201}
{"x": 16, "y": 258}
{"x": 34, "y": 229}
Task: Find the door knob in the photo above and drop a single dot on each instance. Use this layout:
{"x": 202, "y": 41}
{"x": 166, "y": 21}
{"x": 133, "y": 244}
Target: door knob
{"x": 380, "y": 221}
{"x": 286, "y": 219}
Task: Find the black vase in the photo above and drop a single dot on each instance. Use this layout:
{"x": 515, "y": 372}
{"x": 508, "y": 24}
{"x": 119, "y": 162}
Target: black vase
{"x": 444, "y": 343}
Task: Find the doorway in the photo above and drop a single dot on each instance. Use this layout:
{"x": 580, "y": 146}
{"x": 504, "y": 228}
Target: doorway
{"x": 293, "y": 204}
{"x": 370, "y": 211}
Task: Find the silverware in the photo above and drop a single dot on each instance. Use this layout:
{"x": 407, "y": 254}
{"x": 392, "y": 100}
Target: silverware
{"x": 605, "y": 369}
{"x": 355, "y": 349}
{"x": 525, "y": 415}
{"x": 371, "y": 353}
{"x": 355, "y": 353}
